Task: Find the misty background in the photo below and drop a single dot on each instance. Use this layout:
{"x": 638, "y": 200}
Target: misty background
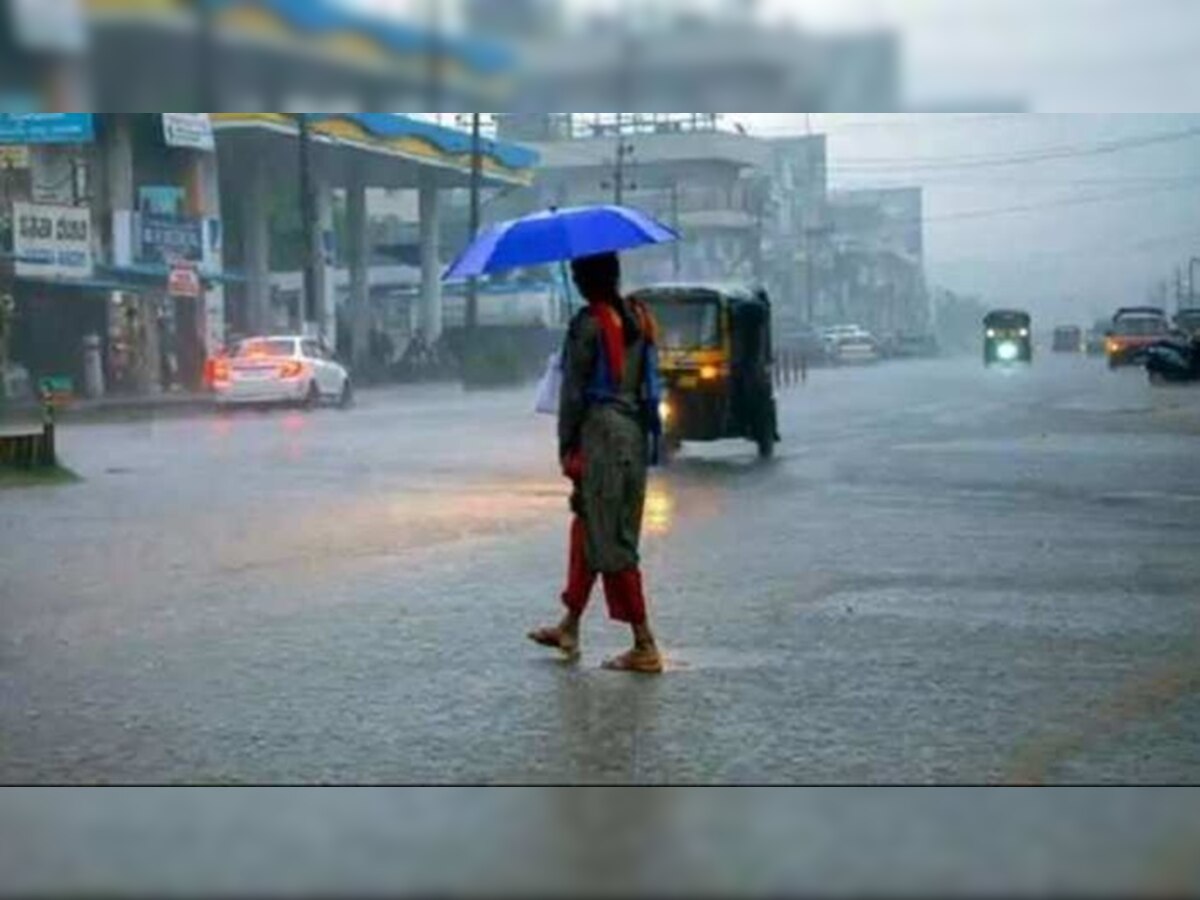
{"x": 1068, "y": 215}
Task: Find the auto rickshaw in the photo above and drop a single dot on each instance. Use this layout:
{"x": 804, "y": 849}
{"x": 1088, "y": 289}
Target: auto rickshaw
{"x": 1007, "y": 337}
{"x": 715, "y": 359}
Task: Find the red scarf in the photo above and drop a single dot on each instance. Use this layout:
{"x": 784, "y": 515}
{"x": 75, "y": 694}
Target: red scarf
{"x": 612, "y": 337}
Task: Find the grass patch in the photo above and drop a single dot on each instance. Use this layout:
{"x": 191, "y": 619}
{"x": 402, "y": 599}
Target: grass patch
{"x": 13, "y": 477}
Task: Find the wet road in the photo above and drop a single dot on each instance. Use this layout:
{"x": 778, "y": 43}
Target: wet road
{"x": 947, "y": 576}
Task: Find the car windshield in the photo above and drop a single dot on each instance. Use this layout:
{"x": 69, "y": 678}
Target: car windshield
{"x": 687, "y": 324}
{"x": 275, "y": 347}
{"x": 1138, "y": 326}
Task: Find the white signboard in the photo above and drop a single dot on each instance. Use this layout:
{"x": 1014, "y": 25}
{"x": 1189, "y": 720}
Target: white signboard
{"x": 192, "y": 130}
{"x": 52, "y": 241}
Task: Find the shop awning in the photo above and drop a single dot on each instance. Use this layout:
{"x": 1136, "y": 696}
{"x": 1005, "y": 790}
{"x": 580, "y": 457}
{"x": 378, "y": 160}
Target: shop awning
{"x": 390, "y": 148}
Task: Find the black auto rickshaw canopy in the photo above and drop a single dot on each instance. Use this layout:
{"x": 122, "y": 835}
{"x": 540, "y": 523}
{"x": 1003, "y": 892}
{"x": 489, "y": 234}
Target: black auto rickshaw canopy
{"x": 1007, "y": 319}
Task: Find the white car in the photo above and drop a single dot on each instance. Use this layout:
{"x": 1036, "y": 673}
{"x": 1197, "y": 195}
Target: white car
{"x": 850, "y": 344}
{"x": 856, "y": 349}
{"x": 287, "y": 369}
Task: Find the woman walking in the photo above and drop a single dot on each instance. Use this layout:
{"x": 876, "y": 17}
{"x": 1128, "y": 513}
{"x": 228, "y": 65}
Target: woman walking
{"x": 606, "y": 410}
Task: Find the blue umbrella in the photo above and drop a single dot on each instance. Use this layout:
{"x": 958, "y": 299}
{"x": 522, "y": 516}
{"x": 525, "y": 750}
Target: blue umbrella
{"x": 555, "y": 236}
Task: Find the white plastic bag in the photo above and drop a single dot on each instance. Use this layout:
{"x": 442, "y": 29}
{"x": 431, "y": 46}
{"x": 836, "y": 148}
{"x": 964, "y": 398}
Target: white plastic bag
{"x": 550, "y": 385}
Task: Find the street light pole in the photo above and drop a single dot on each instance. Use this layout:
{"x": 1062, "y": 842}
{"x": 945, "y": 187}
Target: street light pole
{"x": 1192, "y": 263}
{"x": 472, "y": 312}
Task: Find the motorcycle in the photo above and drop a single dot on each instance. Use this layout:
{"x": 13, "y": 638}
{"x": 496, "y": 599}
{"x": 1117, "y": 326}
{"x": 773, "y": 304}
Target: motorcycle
{"x": 1173, "y": 360}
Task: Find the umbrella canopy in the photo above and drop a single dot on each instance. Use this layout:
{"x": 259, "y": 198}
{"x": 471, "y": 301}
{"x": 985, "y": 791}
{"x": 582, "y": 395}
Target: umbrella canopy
{"x": 558, "y": 235}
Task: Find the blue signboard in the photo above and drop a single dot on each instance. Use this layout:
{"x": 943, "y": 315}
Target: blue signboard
{"x": 168, "y": 239}
{"x": 47, "y": 128}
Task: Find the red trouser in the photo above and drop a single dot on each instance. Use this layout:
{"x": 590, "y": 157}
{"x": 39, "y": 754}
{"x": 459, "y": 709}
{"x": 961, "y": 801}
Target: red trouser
{"x": 622, "y": 590}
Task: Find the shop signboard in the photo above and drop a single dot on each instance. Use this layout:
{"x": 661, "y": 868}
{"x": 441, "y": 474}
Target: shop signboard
{"x": 47, "y": 128}
{"x": 192, "y": 130}
{"x": 170, "y": 239}
{"x": 161, "y": 199}
{"x": 184, "y": 281}
{"x": 14, "y": 157}
{"x": 52, "y": 241}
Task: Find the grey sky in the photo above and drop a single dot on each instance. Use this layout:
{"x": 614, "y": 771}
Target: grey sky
{"x": 1089, "y": 230}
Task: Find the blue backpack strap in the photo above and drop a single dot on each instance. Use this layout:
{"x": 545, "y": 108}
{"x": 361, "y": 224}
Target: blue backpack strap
{"x": 652, "y": 390}
{"x": 603, "y": 387}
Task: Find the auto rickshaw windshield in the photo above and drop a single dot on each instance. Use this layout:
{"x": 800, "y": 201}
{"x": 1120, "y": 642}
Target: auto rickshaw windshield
{"x": 687, "y": 324}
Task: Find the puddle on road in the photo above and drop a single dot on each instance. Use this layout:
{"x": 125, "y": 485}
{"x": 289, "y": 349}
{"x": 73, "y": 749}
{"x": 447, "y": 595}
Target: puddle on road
{"x": 699, "y": 659}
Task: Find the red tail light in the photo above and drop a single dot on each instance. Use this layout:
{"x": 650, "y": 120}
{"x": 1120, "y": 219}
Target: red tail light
{"x": 216, "y": 370}
{"x": 293, "y": 368}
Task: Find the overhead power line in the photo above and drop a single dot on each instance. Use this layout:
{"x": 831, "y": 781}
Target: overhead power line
{"x": 997, "y": 211}
{"x": 1022, "y": 158}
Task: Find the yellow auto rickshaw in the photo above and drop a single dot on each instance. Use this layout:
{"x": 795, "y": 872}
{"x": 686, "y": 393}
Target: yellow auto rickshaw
{"x": 715, "y": 360}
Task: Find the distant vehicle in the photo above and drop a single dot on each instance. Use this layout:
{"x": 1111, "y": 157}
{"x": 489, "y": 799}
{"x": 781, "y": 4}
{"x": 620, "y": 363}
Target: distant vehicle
{"x": 855, "y": 349}
{"x": 1067, "y": 339}
{"x": 850, "y": 345}
{"x": 1174, "y": 359}
{"x": 285, "y": 369}
{"x": 1007, "y": 337}
{"x": 1187, "y": 320}
{"x": 1133, "y": 329}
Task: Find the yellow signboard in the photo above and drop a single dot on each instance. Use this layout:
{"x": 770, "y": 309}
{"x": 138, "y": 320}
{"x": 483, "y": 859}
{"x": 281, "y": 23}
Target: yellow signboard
{"x": 14, "y": 156}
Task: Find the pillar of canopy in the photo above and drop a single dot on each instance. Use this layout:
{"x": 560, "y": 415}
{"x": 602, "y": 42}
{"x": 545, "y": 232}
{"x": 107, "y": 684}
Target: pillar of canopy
{"x": 260, "y": 151}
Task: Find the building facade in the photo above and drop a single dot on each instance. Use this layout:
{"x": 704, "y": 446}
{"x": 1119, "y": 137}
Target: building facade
{"x": 877, "y": 277}
{"x": 113, "y": 247}
{"x": 135, "y": 244}
{"x": 709, "y": 181}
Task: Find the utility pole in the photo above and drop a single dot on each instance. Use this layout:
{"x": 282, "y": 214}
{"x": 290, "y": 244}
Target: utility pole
{"x": 1192, "y": 263}
{"x": 624, "y": 151}
{"x": 313, "y": 252}
{"x": 472, "y": 311}
{"x": 619, "y": 174}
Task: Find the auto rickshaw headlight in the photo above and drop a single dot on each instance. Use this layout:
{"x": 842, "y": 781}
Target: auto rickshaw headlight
{"x": 1024, "y": 332}
{"x": 991, "y": 332}
{"x": 664, "y": 411}
{"x": 709, "y": 373}
{"x": 1007, "y": 351}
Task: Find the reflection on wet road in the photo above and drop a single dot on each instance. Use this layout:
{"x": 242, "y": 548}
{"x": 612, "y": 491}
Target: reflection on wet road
{"x": 947, "y": 575}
